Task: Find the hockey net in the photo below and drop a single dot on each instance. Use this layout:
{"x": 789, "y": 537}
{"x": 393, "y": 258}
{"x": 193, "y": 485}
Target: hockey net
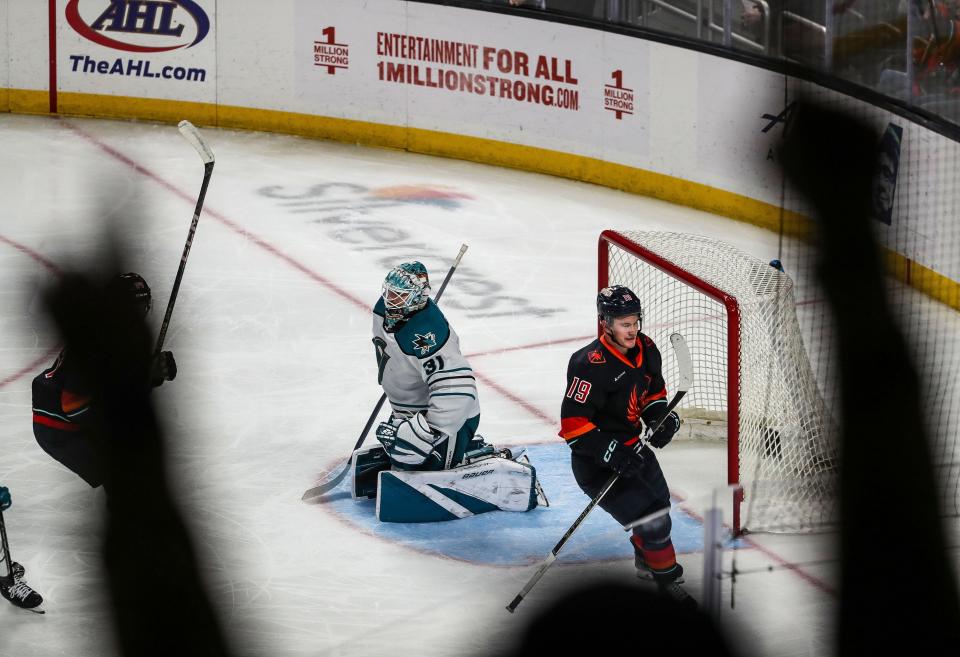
{"x": 752, "y": 378}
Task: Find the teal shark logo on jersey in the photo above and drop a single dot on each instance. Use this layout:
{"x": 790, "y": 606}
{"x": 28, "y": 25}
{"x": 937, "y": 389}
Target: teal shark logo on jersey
{"x": 424, "y": 342}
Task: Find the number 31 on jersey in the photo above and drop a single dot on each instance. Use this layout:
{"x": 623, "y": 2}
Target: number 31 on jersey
{"x": 579, "y": 389}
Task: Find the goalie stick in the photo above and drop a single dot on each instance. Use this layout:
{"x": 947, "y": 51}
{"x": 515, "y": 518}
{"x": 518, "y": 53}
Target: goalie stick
{"x": 6, "y": 557}
{"x": 192, "y": 135}
{"x": 327, "y": 485}
{"x": 685, "y": 366}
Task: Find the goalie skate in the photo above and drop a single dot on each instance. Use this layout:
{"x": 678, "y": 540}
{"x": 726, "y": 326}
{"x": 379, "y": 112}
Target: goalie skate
{"x": 18, "y": 592}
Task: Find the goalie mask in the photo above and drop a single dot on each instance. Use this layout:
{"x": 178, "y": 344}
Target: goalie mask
{"x": 404, "y": 293}
{"x": 618, "y": 301}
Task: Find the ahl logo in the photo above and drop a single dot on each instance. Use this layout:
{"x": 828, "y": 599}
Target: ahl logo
{"x": 139, "y": 25}
{"x": 596, "y": 357}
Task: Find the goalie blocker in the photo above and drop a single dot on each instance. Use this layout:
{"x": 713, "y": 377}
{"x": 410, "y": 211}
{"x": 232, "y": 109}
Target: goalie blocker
{"x": 489, "y": 482}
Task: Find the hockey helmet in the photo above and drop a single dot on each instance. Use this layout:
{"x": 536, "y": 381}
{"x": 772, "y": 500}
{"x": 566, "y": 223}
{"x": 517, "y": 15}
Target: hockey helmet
{"x": 404, "y": 292}
{"x": 132, "y": 287}
{"x": 617, "y": 301}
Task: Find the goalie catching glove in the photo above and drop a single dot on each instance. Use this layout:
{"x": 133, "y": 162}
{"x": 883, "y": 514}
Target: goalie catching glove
{"x": 411, "y": 441}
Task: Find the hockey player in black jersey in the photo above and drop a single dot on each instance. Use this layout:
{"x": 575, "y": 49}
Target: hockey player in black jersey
{"x": 61, "y": 401}
{"x": 615, "y": 388}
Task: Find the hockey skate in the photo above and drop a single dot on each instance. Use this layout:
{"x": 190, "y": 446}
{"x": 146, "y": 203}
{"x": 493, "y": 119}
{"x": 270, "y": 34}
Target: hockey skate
{"x": 668, "y": 585}
{"x": 643, "y": 570}
{"x": 677, "y": 593}
{"x": 18, "y": 592}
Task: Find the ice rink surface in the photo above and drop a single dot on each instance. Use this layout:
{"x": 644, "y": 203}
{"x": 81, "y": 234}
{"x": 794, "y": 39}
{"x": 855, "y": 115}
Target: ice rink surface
{"x": 277, "y": 376}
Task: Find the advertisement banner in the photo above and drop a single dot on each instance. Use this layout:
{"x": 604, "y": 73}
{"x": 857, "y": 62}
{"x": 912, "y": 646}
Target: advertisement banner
{"x": 158, "y": 49}
{"x": 334, "y": 55}
{"x": 425, "y": 66}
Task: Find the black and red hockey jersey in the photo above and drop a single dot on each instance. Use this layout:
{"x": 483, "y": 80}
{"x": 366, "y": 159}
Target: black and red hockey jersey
{"x": 608, "y": 393}
{"x": 59, "y": 400}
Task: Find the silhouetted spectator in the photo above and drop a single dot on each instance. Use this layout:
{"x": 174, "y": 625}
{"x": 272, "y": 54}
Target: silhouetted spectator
{"x": 898, "y": 588}
{"x": 612, "y": 618}
{"x": 159, "y": 604}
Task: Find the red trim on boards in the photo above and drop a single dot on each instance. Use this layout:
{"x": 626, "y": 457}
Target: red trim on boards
{"x": 52, "y": 29}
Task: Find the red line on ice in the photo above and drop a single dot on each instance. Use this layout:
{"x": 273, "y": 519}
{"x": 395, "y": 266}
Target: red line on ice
{"x": 56, "y": 270}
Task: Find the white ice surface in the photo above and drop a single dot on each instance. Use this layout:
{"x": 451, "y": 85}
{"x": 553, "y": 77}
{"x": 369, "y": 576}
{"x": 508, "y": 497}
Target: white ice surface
{"x": 277, "y": 377}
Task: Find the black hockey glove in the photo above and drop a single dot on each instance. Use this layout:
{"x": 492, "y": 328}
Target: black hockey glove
{"x": 163, "y": 368}
{"x": 621, "y": 456}
{"x": 670, "y": 426}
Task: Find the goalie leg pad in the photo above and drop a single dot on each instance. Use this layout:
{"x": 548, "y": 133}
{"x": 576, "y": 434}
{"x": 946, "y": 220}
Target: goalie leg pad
{"x": 489, "y": 485}
{"x": 366, "y": 464}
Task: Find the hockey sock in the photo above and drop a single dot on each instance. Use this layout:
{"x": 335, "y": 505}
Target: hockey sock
{"x": 657, "y": 551}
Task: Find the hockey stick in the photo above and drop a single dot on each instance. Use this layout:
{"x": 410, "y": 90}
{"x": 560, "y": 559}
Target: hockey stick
{"x": 6, "y": 547}
{"x": 324, "y": 486}
{"x": 9, "y": 561}
{"x": 686, "y": 379}
{"x": 192, "y": 135}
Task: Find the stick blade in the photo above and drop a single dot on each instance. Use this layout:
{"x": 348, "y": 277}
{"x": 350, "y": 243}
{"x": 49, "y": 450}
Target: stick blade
{"x": 324, "y": 487}
{"x": 192, "y": 135}
{"x": 684, "y": 362}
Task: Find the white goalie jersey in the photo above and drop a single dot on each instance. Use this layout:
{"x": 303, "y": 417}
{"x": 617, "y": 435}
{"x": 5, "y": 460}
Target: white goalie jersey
{"x": 430, "y": 386}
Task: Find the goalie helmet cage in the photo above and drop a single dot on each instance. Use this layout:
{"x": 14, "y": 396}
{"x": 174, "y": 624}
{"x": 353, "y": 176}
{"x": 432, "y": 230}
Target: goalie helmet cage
{"x": 752, "y": 371}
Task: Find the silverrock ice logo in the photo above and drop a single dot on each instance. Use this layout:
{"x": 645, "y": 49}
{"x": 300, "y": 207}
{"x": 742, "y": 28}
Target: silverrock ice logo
{"x": 141, "y": 26}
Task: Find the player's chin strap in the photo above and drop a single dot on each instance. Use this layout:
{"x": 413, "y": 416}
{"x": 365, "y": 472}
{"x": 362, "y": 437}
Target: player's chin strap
{"x": 326, "y": 485}
{"x": 685, "y": 366}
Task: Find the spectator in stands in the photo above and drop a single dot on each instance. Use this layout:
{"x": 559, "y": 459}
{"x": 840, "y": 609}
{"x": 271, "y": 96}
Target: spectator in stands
{"x": 936, "y": 54}
{"x": 751, "y": 20}
{"x": 795, "y": 27}
{"x": 938, "y": 62}
{"x": 581, "y": 616}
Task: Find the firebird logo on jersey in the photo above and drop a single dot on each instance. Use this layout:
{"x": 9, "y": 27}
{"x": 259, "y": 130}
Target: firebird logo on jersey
{"x": 633, "y": 408}
{"x": 645, "y": 395}
{"x": 596, "y": 357}
{"x": 424, "y": 342}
